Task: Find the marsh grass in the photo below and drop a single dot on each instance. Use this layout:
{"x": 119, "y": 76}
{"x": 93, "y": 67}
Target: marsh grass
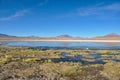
{"x": 24, "y": 63}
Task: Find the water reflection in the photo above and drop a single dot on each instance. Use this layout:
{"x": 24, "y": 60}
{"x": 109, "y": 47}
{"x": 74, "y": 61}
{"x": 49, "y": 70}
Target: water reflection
{"x": 95, "y": 55}
{"x": 96, "y": 58}
{"x": 64, "y": 44}
{"x": 71, "y": 45}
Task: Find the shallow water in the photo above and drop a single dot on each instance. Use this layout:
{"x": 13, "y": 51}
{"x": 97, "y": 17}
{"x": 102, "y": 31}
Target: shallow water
{"x": 96, "y": 58}
{"x": 85, "y": 45}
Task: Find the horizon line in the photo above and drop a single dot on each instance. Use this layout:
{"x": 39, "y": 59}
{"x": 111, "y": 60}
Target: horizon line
{"x": 62, "y": 35}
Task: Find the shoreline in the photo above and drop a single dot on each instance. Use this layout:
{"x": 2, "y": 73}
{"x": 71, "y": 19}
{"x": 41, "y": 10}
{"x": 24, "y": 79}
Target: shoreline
{"x": 99, "y": 41}
{"x": 74, "y": 40}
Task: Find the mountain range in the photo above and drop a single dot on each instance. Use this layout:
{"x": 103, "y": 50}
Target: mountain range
{"x": 5, "y": 35}
{"x": 111, "y": 36}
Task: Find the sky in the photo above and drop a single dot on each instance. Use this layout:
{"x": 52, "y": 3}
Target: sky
{"x": 46, "y": 18}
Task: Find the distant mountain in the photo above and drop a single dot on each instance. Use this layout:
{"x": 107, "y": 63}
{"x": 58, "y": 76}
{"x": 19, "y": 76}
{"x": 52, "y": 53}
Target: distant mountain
{"x": 5, "y": 35}
{"x": 64, "y": 36}
{"x": 111, "y": 36}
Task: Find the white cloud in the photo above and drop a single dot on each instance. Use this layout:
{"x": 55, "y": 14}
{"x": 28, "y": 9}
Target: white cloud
{"x": 16, "y": 15}
{"x": 115, "y": 7}
{"x": 87, "y": 11}
{"x": 98, "y": 10}
{"x": 43, "y": 3}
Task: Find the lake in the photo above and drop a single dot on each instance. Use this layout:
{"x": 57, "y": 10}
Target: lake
{"x": 91, "y": 58}
{"x": 83, "y": 45}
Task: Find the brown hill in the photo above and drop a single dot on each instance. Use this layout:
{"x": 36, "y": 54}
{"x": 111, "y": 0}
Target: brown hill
{"x": 64, "y": 36}
{"x": 4, "y": 37}
{"x": 111, "y": 36}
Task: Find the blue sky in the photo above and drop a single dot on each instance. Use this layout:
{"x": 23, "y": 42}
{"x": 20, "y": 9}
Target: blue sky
{"x": 85, "y": 18}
